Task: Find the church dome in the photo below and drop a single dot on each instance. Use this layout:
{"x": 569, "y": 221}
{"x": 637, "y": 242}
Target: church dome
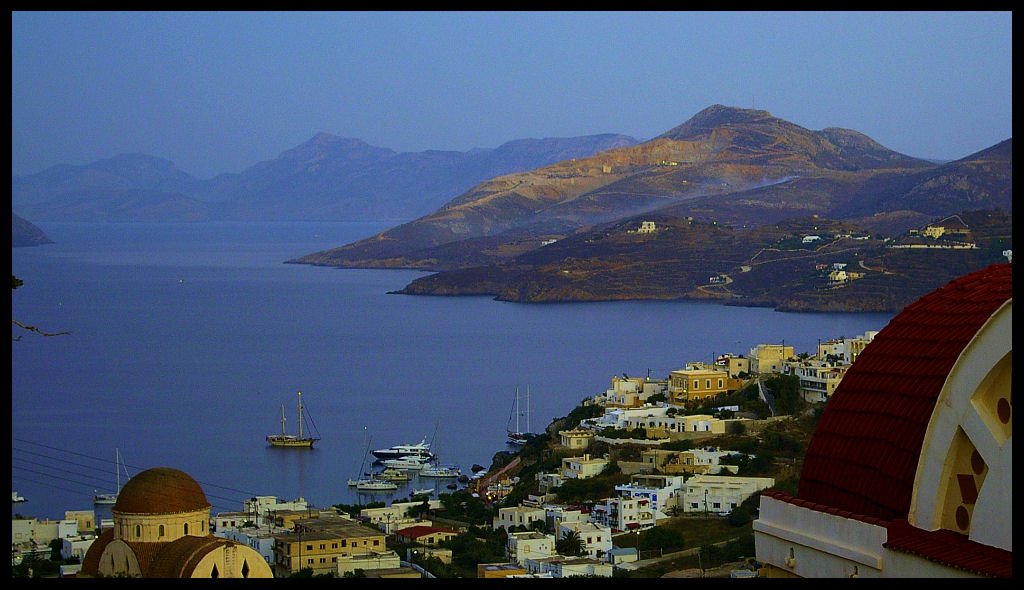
{"x": 866, "y": 448}
{"x": 161, "y": 490}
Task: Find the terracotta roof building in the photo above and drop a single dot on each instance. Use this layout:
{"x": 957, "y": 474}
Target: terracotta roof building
{"x": 909, "y": 472}
{"x": 161, "y": 530}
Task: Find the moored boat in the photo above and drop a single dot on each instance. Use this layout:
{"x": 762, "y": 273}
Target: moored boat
{"x": 437, "y": 470}
{"x": 420, "y": 449}
{"x": 111, "y": 498}
{"x": 394, "y": 474}
{"x": 285, "y": 440}
{"x": 374, "y": 484}
{"x": 15, "y": 498}
{"x": 414, "y": 463}
{"x": 516, "y": 436}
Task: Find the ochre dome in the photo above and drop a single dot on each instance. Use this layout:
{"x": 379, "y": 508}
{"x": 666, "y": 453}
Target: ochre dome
{"x": 161, "y": 490}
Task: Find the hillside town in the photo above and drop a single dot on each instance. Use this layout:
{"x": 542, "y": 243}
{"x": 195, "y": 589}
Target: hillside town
{"x": 660, "y": 446}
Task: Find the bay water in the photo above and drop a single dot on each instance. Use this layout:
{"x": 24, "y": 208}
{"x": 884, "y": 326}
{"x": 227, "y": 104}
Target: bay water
{"x": 186, "y": 339}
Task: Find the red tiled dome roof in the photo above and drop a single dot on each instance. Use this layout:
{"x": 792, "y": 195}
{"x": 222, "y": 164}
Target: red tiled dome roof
{"x": 161, "y": 490}
{"x": 864, "y": 453}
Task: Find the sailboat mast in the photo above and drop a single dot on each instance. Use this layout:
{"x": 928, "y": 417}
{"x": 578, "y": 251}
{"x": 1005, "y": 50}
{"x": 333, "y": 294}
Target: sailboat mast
{"x": 300, "y": 415}
{"x": 283, "y": 431}
{"x": 527, "y": 407}
{"x": 517, "y": 410}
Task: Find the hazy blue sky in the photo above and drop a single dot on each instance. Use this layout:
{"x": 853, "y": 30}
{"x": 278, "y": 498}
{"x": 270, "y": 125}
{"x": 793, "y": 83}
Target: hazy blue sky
{"x": 218, "y": 92}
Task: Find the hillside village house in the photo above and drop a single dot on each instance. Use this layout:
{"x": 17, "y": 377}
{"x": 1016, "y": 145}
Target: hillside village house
{"x": 596, "y": 539}
{"x": 500, "y": 570}
{"x": 566, "y": 567}
{"x": 733, "y": 365}
{"x": 818, "y": 379}
{"x": 697, "y": 381}
{"x": 375, "y": 563}
{"x": 767, "y": 358}
{"x": 630, "y": 392}
{"x": 583, "y": 467}
{"x": 620, "y": 418}
{"x": 702, "y": 460}
{"x": 557, "y": 515}
{"x": 430, "y": 536}
{"x": 845, "y": 350}
{"x": 76, "y": 547}
{"x": 529, "y": 545}
{"x": 510, "y": 516}
{"x": 319, "y": 543}
{"x": 626, "y": 514}
{"x": 577, "y": 439}
{"x": 394, "y": 516}
{"x": 661, "y": 491}
{"x": 720, "y": 494}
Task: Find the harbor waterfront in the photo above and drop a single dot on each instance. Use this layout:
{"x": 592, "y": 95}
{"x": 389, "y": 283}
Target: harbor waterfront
{"x": 186, "y": 339}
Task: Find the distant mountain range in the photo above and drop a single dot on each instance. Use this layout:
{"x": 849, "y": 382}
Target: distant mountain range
{"x": 327, "y": 178}
{"x": 724, "y": 186}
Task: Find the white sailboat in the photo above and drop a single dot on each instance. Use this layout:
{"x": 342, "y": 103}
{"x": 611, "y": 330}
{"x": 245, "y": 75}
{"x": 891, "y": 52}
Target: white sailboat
{"x": 519, "y": 437}
{"x": 354, "y": 482}
{"x": 111, "y": 498}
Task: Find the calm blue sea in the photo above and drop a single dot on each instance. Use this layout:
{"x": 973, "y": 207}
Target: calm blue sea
{"x": 186, "y": 339}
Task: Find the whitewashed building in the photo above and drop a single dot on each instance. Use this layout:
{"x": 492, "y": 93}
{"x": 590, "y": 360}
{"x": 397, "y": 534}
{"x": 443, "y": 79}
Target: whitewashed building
{"x": 626, "y": 514}
{"x": 529, "y": 545}
{"x": 510, "y": 516}
{"x": 596, "y": 539}
{"x": 720, "y": 494}
{"x": 662, "y": 491}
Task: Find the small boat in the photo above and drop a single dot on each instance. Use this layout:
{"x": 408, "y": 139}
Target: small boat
{"x": 111, "y": 498}
{"x": 437, "y": 470}
{"x": 285, "y": 440}
{"x": 422, "y": 492}
{"x": 15, "y": 498}
{"x": 373, "y": 484}
{"x": 420, "y": 449}
{"x": 394, "y": 474}
{"x": 414, "y": 463}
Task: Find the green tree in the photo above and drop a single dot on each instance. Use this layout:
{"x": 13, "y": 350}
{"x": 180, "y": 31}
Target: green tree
{"x": 570, "y": 544}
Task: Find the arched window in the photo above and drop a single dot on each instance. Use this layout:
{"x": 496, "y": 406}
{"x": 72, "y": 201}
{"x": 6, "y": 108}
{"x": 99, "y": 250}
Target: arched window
{"x": 186, "y": 528}
{"x": 138, "y": 531}
{"x": 161, "y": 531}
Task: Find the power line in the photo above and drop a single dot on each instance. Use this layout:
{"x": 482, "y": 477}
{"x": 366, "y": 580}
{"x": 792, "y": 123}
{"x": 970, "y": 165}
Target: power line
{"x": 58, "y": 473}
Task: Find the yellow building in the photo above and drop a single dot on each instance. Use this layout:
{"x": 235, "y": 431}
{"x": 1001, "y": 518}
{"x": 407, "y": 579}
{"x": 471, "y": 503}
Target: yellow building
{"x": 161, "y": 531}
{"x": 319, "y": 543}
{"x": 86, "y": 519}
{"x": 499, "y": 570}
{"x": 697, "y": 381}
{"x": 768, "y": 358}
{"x": 576, "y": 439}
